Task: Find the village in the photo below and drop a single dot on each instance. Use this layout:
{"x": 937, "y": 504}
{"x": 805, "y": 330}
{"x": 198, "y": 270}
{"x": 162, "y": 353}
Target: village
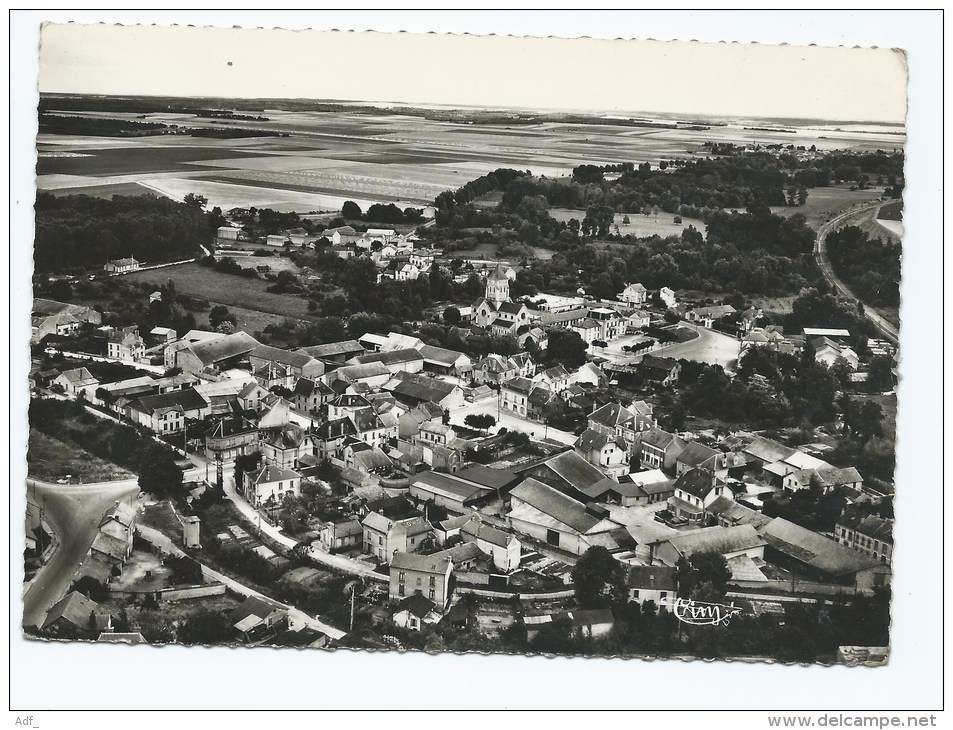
{"x": 442, "y": 494}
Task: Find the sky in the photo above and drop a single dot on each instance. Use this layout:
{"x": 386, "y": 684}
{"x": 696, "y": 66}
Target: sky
{"x": 753, "y": 81}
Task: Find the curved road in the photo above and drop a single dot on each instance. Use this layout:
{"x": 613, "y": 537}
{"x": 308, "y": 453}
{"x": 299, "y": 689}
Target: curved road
{"x": 711, "y": 346}
{"x": 74, "y": 512}
{"x": 888, "y": 330}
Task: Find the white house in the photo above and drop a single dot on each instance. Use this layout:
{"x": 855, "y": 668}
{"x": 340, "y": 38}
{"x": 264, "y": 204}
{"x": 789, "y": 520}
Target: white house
{"x": 635, "y": 294}
{"x": 272, "y": 483}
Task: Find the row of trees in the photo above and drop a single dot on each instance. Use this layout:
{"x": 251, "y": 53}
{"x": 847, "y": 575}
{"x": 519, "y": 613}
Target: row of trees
{"x": 870, "y": 266}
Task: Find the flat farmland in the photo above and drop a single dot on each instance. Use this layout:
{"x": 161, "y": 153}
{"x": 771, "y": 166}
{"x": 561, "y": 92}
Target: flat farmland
{"x": 330, "y": 157}
{"x": 228, "y": 289}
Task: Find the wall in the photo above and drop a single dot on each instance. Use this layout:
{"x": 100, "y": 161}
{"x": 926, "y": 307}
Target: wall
{"x": 180, "y": 594}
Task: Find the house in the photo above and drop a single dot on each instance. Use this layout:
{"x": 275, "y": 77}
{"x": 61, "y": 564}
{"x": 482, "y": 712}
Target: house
{"x": 231, "y": 437}
{"x": 76, "y": 381}
{"x": 329, "y": 436}
{"x": 614, "y": 419}
{"x": 166, "y": 413}
{"x": 826, "y": 476}
{"x": 637, "y": 320}
{"x": 608, "y": 453}
{"x": 125, "y": 344}
{"x": 50, "y": 317}
{"x": 869, "y": 535}
{"x": 510, "y": 316}
{"x": 656, "y": 583}
{"x": 415, "y": 611}
{"x": 341, "y": 536}
{"x": 549, "y": 516}
{"x": 495, "y": 369}
{"x": 76, "y": 612}
{"x": 410, "y": 422}
{"x": 828, "y": 351}
{"x": 707, "y": 316}
{"x": 556, "y": 379}
{"x": 663, "y": 371}
{"x": 450, "y": 528}
{"x": 812, "y": 556}
{"x": 120, "y": 523}
{"x": 342, "y": 235}
{"x": 591, "y": 623}
{"x": 525, "y": 364}
{"x": 658, "y": 449}
{"x": 589, "y": 374}
{"x": 635, "y": 489}
{"x": 694, "y": 491}
{"x": 697, "y": 455}
{"x": 284, "y": 447}
{"x": 364, "y": 457}
{"x": 727, "y": 541}
{"x": 611, "y": 323}
{"x": 428, "y": 575}
{"x": 258, "y": 618}
{"x": 535, "y": 335}
{"x": 668, "y": 297}
{"x": 635, "y": 295}
{"x": 502, "y": 547}
{"x": 312, "y": 395}
{"x": 448, "y": 491}
{"x": 514, "y": 395}
{"x": 121, "y": 266}
{"x": 271, "y": 484}
{"x": 384, "y": 537}
{"x": 109, "y": 549}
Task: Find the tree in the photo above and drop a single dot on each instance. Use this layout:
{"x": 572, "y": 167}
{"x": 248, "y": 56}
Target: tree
{"x": 480, "y": 421}
{"x": 704, "y": 574}
{"x": 567, "y": 348}
{"x": 205, "y": 626}
{"x": 158, "y": 473}
{"x": 451, "y": 315}
{"x": 91, "y": 588}
{"x": 351, "y": 210}
{"x": 599, "y": 579}
{"x": 219, "y": 315}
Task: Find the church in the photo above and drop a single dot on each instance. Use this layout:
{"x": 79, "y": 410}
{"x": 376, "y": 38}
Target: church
{"x": 496, "y": 310}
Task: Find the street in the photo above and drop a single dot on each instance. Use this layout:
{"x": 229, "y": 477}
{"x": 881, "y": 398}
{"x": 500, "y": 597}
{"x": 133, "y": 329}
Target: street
{"x": 74, "y": 513}
{"x": 820, "y": 253}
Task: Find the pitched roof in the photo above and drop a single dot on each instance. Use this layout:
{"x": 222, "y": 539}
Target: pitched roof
{"x": 658, "y": 438}
{"x": 332, "y": 349}
{"x": 447, "y": 485}
{"x": 719, "y": 540}
{"x": 436, "y": 563}
{"x": 519, "y": 385}
{"x": 488, "y": 476}
{"x": 188, "y": 400}
{"x": 481, "y": 531}
{"x": 274, "y": 473}
{"x": 737, "y": 514}
{"x": 76, "y": 608}
{"x": 696, "y": 482}
{"x": 768, "y": 450}
{"x": 390, "y": 357}
{"x": 653, "y": 578}
{"x": 253, "y": 606}
{"x": 422, "y": 388}
{"x": 416, "y": 604}
{"x": 590, "y": 440}
{"x": 335, "y": 429}
{"x": 696, "y": 454}
{"x": 224, "y": 347}
{"x": 441, "y": 355}
{"x": 359, "y": 372}
{"x": 285, "y": 357}
{"x": 555, "y": 504}
{"x": 813, "y": 549}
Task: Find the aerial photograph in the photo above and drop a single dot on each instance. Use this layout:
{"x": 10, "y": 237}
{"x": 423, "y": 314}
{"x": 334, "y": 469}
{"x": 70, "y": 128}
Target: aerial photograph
{"x": 327, "y": 372}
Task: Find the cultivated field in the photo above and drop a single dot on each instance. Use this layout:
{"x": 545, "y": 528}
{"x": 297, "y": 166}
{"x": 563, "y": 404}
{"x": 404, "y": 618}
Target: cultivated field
{"x": 329, "y": 157}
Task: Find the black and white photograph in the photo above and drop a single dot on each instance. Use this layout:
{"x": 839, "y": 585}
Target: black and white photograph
{"x": 359, "y": 341}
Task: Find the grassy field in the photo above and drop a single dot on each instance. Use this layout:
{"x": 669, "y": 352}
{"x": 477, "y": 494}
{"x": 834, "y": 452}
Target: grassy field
{"x": 891, "y": 211}
{"x": 107, "y": 191}
{"x": 49, "y": 459}
{"x": 639, "y": 225}
{"x": 228, "y": 289}
{"x": 822, "y": 203}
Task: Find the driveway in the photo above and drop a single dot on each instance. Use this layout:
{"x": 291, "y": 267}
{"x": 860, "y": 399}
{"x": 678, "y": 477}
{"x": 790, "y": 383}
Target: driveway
{"x": 74, "y": 512}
